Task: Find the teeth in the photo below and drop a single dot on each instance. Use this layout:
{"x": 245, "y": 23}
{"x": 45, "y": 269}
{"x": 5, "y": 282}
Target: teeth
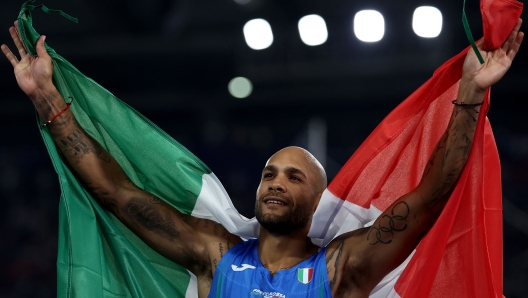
{"x": 274, "y": 202}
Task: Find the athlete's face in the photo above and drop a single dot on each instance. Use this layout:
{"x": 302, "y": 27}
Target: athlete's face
{"x": 288, "y": 193}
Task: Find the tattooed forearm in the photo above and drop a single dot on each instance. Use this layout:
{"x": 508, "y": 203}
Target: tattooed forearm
{"x": 383, "y": 231}
{"x": 73, "y": 142}
{"x": 439, "y": 150}
{"x": 76, "y": 144}
{"x": 459, "y": 139}
{"x": 46, "y": 104}
{"x": 149, "y": 218}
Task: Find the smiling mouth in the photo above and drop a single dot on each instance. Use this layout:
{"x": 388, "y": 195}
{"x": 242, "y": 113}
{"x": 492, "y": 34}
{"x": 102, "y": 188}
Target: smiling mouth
{"x": 274, "y": 202}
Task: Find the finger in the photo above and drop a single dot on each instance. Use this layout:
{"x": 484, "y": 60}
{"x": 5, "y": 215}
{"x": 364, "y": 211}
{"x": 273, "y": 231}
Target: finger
{"x": 9, "y": 55}
{"x": 20, "y": 38}
{"x": 515, "y": 46}
{"x": 512, "y": 37}
{"x": 41, "y": 50}
{"x": 17, "y": 42}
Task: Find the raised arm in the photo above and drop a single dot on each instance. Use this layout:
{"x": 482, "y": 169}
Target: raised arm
{"x": 190, "y": 242}
{"x": 373, "y": 252}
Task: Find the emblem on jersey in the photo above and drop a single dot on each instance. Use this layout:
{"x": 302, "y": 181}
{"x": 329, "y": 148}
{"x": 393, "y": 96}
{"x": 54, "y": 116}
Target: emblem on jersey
{"x": 305, "y": 275}
{"x": 242, "y": 268}
{"x": 257, "y": 292}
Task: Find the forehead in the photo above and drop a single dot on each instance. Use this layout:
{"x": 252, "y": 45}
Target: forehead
{"x": 290, "y": 157}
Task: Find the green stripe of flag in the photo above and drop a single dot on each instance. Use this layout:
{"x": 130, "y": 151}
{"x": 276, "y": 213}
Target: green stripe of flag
{"x": 98, "y": 256}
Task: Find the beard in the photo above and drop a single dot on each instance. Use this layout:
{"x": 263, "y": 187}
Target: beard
{"x": 294, "y": 219}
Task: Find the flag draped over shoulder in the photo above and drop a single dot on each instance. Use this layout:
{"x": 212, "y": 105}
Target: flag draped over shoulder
{"x": 460, "y": 257}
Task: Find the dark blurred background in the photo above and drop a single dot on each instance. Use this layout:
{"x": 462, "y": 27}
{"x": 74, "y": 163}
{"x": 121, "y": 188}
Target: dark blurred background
{"x": 173, "y": 59}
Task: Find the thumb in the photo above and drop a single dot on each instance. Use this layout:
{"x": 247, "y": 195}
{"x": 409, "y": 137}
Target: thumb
{"x": 41, "y": 50}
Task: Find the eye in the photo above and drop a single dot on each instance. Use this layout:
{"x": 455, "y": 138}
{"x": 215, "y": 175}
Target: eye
{"x": 295, "y": 178}
{"x": 267, "y": 175}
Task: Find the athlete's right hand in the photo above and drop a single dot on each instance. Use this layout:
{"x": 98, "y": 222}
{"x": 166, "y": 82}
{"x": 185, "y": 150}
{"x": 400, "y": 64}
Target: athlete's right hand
{"x": 33, "y": 74}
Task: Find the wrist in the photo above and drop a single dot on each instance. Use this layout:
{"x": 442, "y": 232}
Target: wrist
{"x": 469, "y": 92}
{"x": 45, "y": 93}
{"x": 47, "y": 101}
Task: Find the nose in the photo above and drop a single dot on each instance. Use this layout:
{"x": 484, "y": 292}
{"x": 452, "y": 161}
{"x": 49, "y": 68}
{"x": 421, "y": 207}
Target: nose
{"x": 277, "y": 186}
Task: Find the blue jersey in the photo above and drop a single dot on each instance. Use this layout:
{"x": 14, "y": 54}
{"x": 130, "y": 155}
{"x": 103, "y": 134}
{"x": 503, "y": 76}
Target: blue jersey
{"x": 241, "y": 274}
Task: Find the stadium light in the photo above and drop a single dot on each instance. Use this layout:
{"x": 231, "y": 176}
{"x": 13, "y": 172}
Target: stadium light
{"x": 258, "y": 35}
{"x": 240, "y": 87}
{"x": 369, "y": 26}
{"x": 427, "y": 21}
{"x": 312, "y": 29}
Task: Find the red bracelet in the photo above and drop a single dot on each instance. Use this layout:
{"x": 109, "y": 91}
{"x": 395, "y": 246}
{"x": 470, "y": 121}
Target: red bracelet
{"x": 68, "y": 104}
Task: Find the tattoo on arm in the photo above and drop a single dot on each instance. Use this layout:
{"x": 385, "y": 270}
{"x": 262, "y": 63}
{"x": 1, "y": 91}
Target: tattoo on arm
{"x": 45, "y": 104}
{"x": 383, "y": 232}
{"x": 77, "y": 144}
{"x": 103, "y": 197}
{"x": 441, "y": 145}
{"x": 221, "y": 249}
{"x": 332, "y": 266}
{"x": 151, "y": 219}
{"x": 455, "y": 157}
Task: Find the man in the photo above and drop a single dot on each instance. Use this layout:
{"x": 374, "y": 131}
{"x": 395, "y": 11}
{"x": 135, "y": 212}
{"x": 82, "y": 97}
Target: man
{"x": 291, "y": 185}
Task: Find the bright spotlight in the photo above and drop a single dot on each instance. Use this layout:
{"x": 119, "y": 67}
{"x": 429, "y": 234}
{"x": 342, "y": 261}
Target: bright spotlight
{"x": 369, "y": 26}
{"x": 427, "y": 21}
{"x": 240, "y": 87}
{"x": 312, "y": 29}
{"x": 258, "y": 34}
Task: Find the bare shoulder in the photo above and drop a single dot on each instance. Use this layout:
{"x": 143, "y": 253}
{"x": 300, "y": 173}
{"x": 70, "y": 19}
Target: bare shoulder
{"x": 344, "y": 265}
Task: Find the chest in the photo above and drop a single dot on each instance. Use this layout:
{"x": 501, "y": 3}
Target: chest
{"x": 240, "y": 271}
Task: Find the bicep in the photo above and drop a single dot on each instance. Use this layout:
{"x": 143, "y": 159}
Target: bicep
{"x": 174, "y": 235}
{"x": 391, "y": 239}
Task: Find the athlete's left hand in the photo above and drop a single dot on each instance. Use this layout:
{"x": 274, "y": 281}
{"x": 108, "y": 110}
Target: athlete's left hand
{"x": 496, "y": 64}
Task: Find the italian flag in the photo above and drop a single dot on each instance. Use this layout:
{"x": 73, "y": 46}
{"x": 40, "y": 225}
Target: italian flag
{"x": 460, "y": 257}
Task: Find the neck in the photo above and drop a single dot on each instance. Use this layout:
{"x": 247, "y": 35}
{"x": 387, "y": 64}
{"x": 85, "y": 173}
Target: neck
{"x": 277, "y": 252}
